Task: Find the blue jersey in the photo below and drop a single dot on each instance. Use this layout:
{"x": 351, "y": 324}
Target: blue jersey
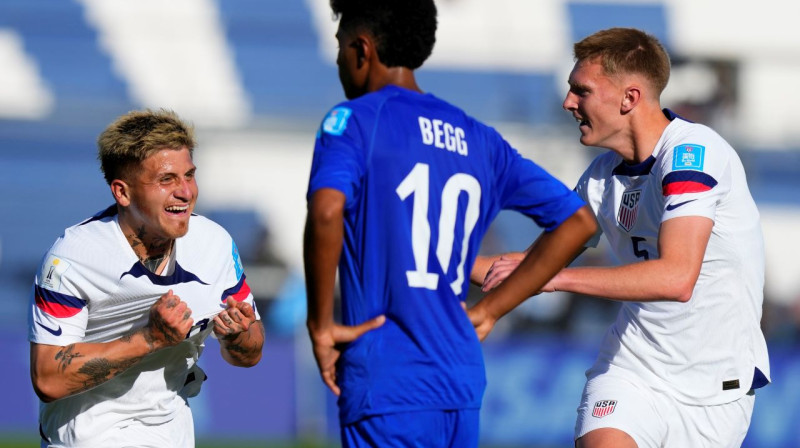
{"x": 422, "y": 181}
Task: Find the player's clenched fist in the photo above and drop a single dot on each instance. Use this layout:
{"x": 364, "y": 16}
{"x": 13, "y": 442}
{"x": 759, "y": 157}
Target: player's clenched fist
{"x": 235, "y": 319}
{"x": 170, "y": 321}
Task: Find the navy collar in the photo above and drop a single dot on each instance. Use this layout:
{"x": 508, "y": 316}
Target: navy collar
{"x": 179, "y": 276}
{"x": 672, "y": 115}
{"x": 640, "y": 169}
{"x": 643, "y": 168}
{"x": 107, "y": 213}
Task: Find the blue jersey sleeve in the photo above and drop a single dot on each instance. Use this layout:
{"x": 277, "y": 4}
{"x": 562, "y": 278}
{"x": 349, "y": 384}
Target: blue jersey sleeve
{"x": 526, "y": 187}
{"x": 338, "y": 161}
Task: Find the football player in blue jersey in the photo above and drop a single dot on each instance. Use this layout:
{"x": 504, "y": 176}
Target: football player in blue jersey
{"x": 403, "y": 186}
{"x": 123, "y": 301}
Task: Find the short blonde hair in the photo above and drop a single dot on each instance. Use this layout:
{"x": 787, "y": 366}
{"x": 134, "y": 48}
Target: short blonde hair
{"x": 133, "y": 137}
{"x": 627, "y": 50}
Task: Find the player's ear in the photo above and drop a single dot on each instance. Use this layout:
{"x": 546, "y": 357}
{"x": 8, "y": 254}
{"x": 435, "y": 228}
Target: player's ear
{"x": 121, "y": 192}
{"x": 630, "y": 98}
{"x": 365, "y": 49}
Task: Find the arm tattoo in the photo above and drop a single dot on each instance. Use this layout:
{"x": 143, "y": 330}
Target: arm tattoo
{"x": 96, "y": 371}
{"x": 148, "y": 338}
{"x": 240, "y": 343}
{"x": 238, "y": 348}
{"x": 170, "y": 335}
{"x": 65, "y": 357}
{"x": 151, "y": 344}
{"x": 100, "y": 370}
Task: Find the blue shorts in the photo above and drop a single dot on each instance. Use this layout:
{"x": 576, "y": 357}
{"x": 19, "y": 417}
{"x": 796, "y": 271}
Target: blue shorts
{"x": 424, "y": 429}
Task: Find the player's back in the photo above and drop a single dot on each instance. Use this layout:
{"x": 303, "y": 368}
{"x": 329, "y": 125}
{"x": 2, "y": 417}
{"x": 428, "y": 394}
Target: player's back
{"x": 413, "y": 228}
{"x": 428, "y": 187}
{"x": 422, "y": 181}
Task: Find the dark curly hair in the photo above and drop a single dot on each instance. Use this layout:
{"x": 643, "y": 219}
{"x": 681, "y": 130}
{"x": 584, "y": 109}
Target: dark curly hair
{"x": 404, "y": 30}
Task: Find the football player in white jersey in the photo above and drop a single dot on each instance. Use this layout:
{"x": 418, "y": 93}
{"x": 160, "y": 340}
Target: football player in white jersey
{"x": 123, "y": 301}
{"x": 681, "y": 364}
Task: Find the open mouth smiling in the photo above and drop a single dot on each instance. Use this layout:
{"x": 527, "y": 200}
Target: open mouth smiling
{"x": 177, "y": 209}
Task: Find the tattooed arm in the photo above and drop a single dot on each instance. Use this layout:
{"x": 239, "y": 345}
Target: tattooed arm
{"x": 58, "y": 372}
{"x": 240, "y": 335}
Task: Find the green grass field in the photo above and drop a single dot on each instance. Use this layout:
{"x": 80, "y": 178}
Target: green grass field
{"x": 26, "y": 441}
{"x": 253, "y": 444}
{"x": 12, "y": 440}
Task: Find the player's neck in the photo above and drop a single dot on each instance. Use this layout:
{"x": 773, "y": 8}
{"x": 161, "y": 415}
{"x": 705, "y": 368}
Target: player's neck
{"x": 646, "y": 131}
{"x": 395, "y": 76}
{"x": 145, "y": 244}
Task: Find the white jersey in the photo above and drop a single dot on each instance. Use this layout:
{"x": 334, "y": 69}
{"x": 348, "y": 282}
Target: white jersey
{"x": 709, "y": 350}
{"x": 92, "y": 288}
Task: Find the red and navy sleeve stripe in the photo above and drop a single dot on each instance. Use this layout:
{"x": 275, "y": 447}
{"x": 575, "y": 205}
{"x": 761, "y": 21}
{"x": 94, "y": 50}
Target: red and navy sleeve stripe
{"x": 239, "y": 292}
{"x": 57, "y": 304}
{"x": 679, "y": 182}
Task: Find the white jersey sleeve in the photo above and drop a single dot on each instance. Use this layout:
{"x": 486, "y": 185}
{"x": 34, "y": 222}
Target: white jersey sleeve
{"x": 78, "y": 268}
{"x": 694, "y": 180}
{"x": 59, "y": 316}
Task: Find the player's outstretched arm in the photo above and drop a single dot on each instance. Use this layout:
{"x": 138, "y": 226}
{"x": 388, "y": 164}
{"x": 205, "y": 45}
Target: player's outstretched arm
{"x": 546, "y": 257}
{"x": 322, "y": 247}
{"x": 671, "y": 276}
{"x": 61, "y": 371}
{"x": 241, "y": 336}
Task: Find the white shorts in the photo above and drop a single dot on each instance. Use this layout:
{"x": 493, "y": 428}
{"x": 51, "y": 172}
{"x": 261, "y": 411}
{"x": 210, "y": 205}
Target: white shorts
{"x": 177, "y": 433}
{"x": 657, "y": 420}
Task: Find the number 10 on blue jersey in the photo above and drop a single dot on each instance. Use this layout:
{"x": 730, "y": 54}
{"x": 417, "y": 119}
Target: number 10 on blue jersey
{"x": 417, "y": 182}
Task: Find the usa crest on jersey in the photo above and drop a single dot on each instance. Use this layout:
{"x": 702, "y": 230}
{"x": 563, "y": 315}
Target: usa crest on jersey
{"x": 628, "y": 209}
{"x": 603, "y": 408}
